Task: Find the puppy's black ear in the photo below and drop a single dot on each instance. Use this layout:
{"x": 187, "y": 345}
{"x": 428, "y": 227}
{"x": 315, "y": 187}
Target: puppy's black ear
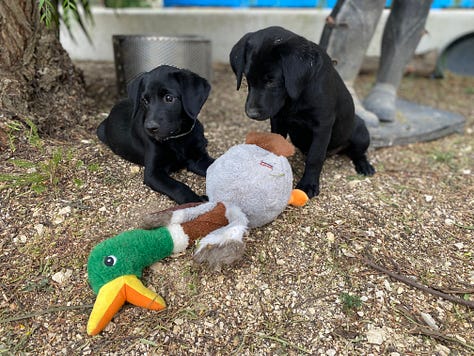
{"x": 300, "y": 63}
{"x": 194, "y": 91}
{"x": 134, "y": 91}
{"x": 237, "y": 58}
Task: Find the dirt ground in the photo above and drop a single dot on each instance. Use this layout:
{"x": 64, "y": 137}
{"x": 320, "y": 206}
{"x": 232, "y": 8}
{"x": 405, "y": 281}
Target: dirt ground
{"x": 305, "y": 284}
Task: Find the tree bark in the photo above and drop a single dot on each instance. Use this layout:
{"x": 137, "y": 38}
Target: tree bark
{"x": 37, "y": 77}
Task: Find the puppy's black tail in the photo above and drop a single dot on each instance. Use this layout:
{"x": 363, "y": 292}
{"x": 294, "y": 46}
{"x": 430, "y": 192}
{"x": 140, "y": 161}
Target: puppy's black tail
{"x": 101, "y": 132}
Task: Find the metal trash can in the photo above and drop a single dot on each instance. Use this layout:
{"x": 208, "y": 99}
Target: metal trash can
{"x": 135, "y": 54}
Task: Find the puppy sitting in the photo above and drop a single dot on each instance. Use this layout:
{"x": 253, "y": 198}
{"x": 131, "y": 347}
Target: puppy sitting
{"x": 157, "y": 127}
{"x": 292, "y": 82}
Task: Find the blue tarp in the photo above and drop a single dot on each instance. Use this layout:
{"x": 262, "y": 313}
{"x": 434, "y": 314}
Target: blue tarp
{"x": 437, "y": 4}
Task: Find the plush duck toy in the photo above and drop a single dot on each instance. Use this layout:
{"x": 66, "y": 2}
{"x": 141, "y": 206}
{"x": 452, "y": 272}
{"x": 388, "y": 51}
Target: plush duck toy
{"x": 253, "y": 182}
{"x": 248, "y": 186}
{"x": 116, "y": 264}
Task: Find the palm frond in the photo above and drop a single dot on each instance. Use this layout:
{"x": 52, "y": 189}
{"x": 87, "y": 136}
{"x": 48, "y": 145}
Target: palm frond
{"x": 53, "y": 12}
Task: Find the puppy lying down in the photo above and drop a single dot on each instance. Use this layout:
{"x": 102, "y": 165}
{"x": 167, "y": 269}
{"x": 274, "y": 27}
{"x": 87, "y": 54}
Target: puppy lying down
{"x": 157, "y": 127}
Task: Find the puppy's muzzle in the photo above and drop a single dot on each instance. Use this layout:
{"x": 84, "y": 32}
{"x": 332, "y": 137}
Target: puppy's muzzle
{"x": 255, "y": 114}
{"x": 153, "y": 129}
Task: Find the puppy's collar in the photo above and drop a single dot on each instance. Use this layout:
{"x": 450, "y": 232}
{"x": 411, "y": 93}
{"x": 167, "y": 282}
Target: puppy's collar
{"x": 182, "y": 134}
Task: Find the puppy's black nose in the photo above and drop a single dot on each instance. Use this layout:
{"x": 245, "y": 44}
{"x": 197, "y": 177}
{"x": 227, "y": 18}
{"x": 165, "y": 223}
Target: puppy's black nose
{"x": 253, "y": 113}
{"x": 152, "y": 127}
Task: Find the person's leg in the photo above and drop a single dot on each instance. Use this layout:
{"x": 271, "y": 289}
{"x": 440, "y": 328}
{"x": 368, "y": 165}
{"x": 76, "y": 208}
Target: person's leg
{"x": 346, "y": 36}
{"x": 402, "y": 33}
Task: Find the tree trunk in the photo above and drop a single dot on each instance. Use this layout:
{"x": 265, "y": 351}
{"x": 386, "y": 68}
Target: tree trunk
{"x": 37, "y": 78}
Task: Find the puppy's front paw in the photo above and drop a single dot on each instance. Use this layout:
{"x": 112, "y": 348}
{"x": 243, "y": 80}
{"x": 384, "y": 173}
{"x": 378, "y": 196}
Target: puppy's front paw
{"x": 364, "y": 167}
{"x": 311, "y": 189}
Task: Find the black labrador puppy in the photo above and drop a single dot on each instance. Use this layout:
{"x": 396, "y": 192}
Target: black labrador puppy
{"x": 157, "y": 127}
{"x": 292, "y": 82}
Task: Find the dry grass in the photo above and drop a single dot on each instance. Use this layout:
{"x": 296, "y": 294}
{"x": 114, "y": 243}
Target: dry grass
{"x": 302, "y": 286}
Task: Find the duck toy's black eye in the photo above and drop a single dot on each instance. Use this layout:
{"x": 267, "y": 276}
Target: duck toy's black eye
{"x": 109, "y": 261}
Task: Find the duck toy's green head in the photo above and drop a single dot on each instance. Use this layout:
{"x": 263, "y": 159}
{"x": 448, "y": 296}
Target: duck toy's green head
{"x": 114, "y": 268}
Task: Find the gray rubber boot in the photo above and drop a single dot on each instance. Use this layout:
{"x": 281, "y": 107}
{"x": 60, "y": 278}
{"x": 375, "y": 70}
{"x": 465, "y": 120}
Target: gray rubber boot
{"x": 402, "y": 33}
{"x": 346, "y": 37}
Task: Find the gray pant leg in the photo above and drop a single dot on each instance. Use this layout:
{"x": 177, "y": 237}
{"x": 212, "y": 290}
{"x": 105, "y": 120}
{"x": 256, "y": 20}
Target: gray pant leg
{"x": 347, "y": 40}
{"x": 402, "y": 33}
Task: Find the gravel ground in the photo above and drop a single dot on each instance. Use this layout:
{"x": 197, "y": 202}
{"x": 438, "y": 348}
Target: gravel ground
{"x": 306, "y": 284}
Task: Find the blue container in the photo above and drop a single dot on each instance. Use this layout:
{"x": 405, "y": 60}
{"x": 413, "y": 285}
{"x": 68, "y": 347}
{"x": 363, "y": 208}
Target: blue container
{"x": 437, "y": 4}
{"x": 445, "y": 4}
{"x": 252, "y": 3}
{"x": 292, "y": 3}
{"x": 440, "y": 4}
{"x": 226, "y": 3}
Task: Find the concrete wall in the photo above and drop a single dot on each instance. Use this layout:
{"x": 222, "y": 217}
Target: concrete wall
{"x": 224, "y": 26}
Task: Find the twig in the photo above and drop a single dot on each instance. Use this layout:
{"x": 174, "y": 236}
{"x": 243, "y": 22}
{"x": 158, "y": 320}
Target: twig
{"x": 284, "y": 342}
{"x": 46, "y": 311}
{"x": 455, "y": 290}
{"x": 417, "y": 285}
{"x": 437, "y": 335}
{"x": 467, "y": 227}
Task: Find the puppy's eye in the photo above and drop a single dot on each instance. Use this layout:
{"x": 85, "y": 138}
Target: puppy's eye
{"x": 271, "y": 83}
{"x": 145, "y": 101}
{"x": 168, "y": 98}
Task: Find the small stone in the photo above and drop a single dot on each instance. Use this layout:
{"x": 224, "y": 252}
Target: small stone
{"x": 331, "y": 352}
{"x": 58, "y": 220}
{"x": 330, "y": 236}
{"x": 347, "y": 253}
{"x": 459, "y": 245}
{"x": 471, "y": 277}
{"x": 449, "y": 221}
{"x": 428, "y": 198}
{"x": 64, "y": 211}
{"x": 353, "y": 183}
{"x": 375, "y": 336}
{"x": 442, "y": 350}
{"x": 62, "y": 277}
{"x": 134, "y": 169}
{"x": 39, "y": 229}
{"x": 428, "y": 319}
